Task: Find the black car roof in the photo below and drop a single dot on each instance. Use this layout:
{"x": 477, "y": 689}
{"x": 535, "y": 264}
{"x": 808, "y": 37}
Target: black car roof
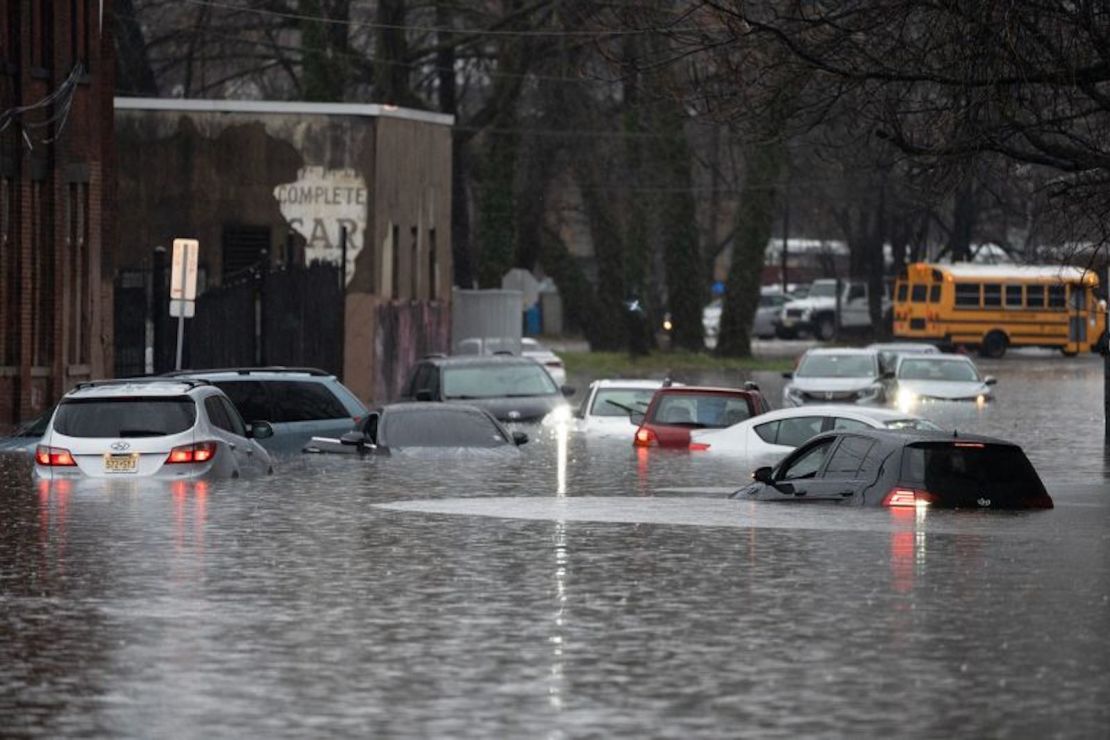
{"x": 906, "y": 436}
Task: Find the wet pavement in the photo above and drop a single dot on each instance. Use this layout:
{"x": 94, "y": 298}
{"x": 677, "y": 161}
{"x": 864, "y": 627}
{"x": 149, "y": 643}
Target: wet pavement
{"x": 577, "y": 589}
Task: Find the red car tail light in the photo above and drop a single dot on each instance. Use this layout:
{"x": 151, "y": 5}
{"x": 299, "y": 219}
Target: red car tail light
{"x": 699, "y": 446}
{"x": 194, "y": 453}
{"x": 54, "y": 457}
{"x": 645, "y": 438}
{"x": 908, "y": 497}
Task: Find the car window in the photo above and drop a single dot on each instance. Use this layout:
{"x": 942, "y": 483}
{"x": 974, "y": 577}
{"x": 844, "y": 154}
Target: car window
{"x": 494, "y": 381}
{"x": 848, "y": 459}
{"x": 233, "y": 418}
{"x": 919, "y": 291}
{"x": 441, "y": 427}
{"x": 840, "y": 424}
{"x": 701, "y": 411}
{"x": 609, "y": 401}
{"x": 807, "y": 465}
{"x": 837, "y": 366}
{"x": 303, "y": 401}
{"x": 421, "y": 379}
{"x": 940, "y": 370}
{"x": 136, "y": 416}
{"x": 249, "y": 397}
{"x": 856, "y": 292}
{"x": 796, "y": 432}
{"x": 216, "y": 413}
{"x": 768, "y": 432}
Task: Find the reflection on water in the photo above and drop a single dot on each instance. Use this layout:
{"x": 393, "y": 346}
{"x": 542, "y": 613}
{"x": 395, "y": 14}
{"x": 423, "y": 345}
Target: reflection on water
{"x": 578, "y": 588}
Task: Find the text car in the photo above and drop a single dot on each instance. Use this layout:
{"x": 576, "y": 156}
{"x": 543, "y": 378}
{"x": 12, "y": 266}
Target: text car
{"x": 150, "y": 428}
{"x": 419, "y": 426}
{"x": 835, "y": 376}
{"x": 676, "y": 411}
{"x": 903, "y": 469}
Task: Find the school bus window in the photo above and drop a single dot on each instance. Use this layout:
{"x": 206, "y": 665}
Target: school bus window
{"x": 992, "y": 295}
{"x": 1075, "y": 298}
{"x": 902, "y": 288}
{"x": 1057, "y": 296}
{"x": 967, "y": 295}
{"x": 1034, "y": 296}
{"x": 918, "y": 293}
{"x": 1013, "y": 296}
{"x": 934, "y": 294}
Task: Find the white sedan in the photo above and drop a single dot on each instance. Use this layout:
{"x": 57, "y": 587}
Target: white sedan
{"x": 608, "y": 405}
{"x": 771, "y": 436}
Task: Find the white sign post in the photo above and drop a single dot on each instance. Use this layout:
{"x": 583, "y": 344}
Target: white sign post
{"x": 183, "y": 286}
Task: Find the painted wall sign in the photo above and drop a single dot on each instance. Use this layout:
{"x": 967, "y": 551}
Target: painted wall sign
{"x": 319, "y": 204}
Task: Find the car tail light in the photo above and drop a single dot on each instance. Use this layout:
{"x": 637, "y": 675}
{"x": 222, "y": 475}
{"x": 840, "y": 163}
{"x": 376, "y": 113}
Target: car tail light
{"x": 645, "y": 438}
{"x": 54, "y": 457}
{"x": 908, "y": 497}
{"x": 699, "y": 446}
{"x": 194, "y": 453}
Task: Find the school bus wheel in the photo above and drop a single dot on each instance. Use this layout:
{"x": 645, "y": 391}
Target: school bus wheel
{"x": 994, "y": 344}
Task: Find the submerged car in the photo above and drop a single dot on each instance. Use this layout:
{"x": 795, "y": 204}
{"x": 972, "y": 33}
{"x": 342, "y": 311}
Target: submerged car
{"x": 921, "y": 378}
{"x": 835, "y": 376}
{"x": 551, "y": 362}
{"x": 298, "y": 402}
{"x": 610, "y": 405}
{"x": 510, "y": 388}
{"x": 27, "y": 435}
{"x": 903, "y": 469}
{"x": 676, "y": 411}
{"x": 419, "y": 426}
{"x": 889, "y": 352}
{"x": 150, "y": 428}
{"x": 775, "y": 434}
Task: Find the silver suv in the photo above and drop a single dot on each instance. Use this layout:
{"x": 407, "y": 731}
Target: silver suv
{"x": 299, "y": 403}
{"x": 150, "y": 428}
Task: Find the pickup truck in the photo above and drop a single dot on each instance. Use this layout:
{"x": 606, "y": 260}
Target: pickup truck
{"x": 816, "y": 313}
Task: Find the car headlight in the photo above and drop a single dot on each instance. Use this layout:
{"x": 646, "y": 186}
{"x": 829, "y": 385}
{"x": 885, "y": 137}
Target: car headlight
{"x": 906, "y": 399}
{"x": 557, "y": 415}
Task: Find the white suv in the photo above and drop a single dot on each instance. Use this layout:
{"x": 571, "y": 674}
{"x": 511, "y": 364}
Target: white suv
{"x": 150, "y": 428}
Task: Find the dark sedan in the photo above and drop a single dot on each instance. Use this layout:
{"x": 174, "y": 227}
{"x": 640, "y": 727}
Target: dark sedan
{"x": 417, "y": 426}
{"x": 903, "y": 468}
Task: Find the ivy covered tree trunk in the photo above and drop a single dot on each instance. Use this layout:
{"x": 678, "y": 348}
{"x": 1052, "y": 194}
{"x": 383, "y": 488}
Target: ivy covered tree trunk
{"x": 764, "y": 158}
{"x": 326, "y": 50}
{"x": 496, "y": 212}
{"x": 681, "y": 251}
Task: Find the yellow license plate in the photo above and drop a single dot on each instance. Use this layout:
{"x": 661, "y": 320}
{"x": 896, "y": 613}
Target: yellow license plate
{"x": 121, "y": 463}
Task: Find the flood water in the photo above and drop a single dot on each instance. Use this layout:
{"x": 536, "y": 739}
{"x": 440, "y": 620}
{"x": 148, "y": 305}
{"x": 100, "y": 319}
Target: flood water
{"x": 578, "y": 589}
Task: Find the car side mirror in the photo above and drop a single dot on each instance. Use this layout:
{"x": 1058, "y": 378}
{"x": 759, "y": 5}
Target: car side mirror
{"x": 423, "y": 395}
{"x": 990, "y": 380}
{"x": 636, "y": 417}
{"x": 568, "y": 390}
{"x": 751, "y": 385}
{"x": 353, "y": 438}
{"x": 260, "y": 430}
{"x": 763, "y": 475}
{"x": 520, "y": 438}
{"x": 788, "y": 376}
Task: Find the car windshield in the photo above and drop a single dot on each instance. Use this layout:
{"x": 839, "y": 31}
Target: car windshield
{"x": 701, "y": 411}
{"x": 497, "y": 381}
{"x": 442, "y": 427}
{"x": 822, "y": 290}
{"x": 135, "y": 416}
{"x": 930, "y": 369}
{"x": 918, "y": 424}
{"x": 617, "y": 401}
{"x": 837, "y": 366}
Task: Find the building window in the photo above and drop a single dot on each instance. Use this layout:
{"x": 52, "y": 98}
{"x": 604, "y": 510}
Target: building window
{"x": 433, "y": 283}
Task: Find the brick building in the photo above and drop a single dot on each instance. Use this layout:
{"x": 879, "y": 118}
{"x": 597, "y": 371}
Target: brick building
{"x": 56, "y": 190}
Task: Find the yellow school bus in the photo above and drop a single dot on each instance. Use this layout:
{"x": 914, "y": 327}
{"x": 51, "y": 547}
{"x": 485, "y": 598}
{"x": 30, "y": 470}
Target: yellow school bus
{"x": 993, "y": 307}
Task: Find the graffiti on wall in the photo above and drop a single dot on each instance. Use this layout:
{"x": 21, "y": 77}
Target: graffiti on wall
{"x": 318, "y": 205}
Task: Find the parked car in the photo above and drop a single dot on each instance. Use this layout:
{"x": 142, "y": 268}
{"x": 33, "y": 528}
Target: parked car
{"x": 816, "y": 313}
{"x": 771, "y": 301}
{"x": 510, "y": 388}
{"x": 906, "y": 468}
{"x": 530, "y": 347}
{"x": 609, "y": 405}
{"x": 889, "y": 352}
{"x": 923, "y": 378}
{"x": 180, "y": 428}
{"x": 26, "y": 436}
{"x": 413, "y": 427}
{"x": 771, "y": 436}
{"x": 299, "y": 403}
{"x": 834, "y": 376}
{"x": 676, "y": 411}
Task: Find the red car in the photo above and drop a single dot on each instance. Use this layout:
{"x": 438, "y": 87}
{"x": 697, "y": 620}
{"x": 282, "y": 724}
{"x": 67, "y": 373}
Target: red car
{"x": 674, "y": 411}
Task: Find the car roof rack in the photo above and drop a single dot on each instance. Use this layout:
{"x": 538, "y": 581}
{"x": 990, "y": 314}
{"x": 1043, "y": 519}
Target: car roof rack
{"x": 313, "y": 371}
{"x": 139, "y": 380}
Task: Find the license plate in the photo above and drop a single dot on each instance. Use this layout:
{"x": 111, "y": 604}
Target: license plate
{"x": 121, "y": 463}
